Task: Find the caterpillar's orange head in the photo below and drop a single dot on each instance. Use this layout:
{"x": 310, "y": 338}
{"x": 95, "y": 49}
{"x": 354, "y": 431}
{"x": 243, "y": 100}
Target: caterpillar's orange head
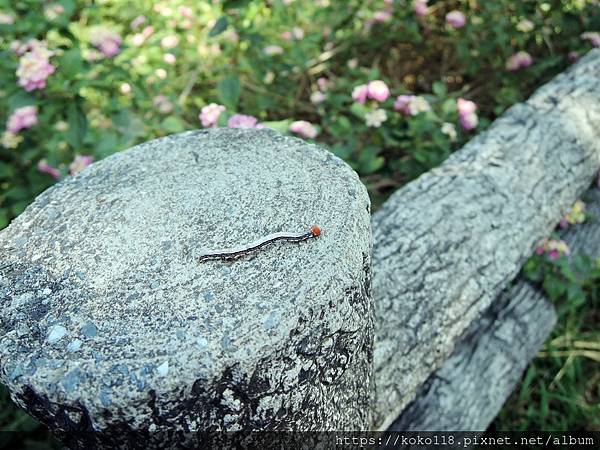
{"x": 315, "y": 230}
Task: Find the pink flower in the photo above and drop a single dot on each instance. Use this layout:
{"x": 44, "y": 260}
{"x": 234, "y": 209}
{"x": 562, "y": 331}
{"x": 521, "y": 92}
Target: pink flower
{"x": 107, "y": 41}
{"x": 163, "y": 104}
{"x": 465, "y": 106}
{"x": 469, "y": 121}
{"x": 359, "y": 93}
{"x": 6, "y": 19}
{"x": 169, "y": 58}
{"x": 79, "y": 163}
{"x": 456, "y": 19}
{"x": 402, "y": 104}
{"x": 317, "y": 97}
{"x": 378, "y": 90}
{"x": 273, "y": 50}
{"x": 185, "y": 11}
{"x": 518, "y": 61}
{"x": 147, "y": 32}
{"x": 34, "y": 67}
{"x": 382, "y": 16}
{"x": 20, "y": 48}
{"x": 209, "y": 114}
{"x": 411, "y": 105}
{"x": 420, "y": 7}
{"x": 573, "y": 56}
{"x": 44, "y": 167}
{"x": 304, "y": 129}
{"x": 242, "y": 121}
{"x": 138, "y": 22}
{"x": 593, "y": 37}
{"x": 53, "y": 11}
{"x": 297, "y": 33}
{"x": 323, "y": 83}
{"x": 553, "y": 248}
{"x": 466, "y": 112}
{"x": 169, "y": 42}
{"x": 21, "y": 118}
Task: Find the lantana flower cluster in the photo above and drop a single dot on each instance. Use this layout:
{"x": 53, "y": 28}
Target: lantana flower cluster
{"x": 374, "y": 90}
{"x": 409, "y": 105}
{"x": 552, "y": 248}
{"x": 34, "y": 64}
{"x": 593, "y": 37}
{"x": 210, "y": 114}
{"x": 79, "y": 163}
{"x": 519, "y": 60}
{"x": 456, "y": 19}
{"x": 575, "y": 216}
{"x": 107, "y": 41}
{"x": 466, "y": 113}
{"x": 420, "y": 7}
{"x": 21, "y": 118}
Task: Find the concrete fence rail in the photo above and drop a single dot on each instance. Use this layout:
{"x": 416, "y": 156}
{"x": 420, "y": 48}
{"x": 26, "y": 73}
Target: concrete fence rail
{"x": 126, "y": 321}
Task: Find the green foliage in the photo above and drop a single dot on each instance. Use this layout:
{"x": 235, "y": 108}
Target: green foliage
{"x": 19, "y": 431}
{"x": 561, "y": 388}
{"x": 266, "y": 59}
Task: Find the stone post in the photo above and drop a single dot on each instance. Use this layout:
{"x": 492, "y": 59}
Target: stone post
{"x": 114, "y": 332}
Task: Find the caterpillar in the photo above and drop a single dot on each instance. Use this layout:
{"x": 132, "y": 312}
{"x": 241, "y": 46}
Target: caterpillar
{"x": 241, "y": 251}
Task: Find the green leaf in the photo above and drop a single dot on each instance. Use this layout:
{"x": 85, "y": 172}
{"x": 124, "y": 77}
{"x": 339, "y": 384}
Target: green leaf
{"x": 227, "y": 4}
{"x": 359, "y": 110}
{"x": 439, "y": 88}
{"x": 19, "y": 207}
{"x": 107, "y": 145}
{"x": 6, "y": 170}
{"x": 71, "y": 63}
{"x": 173, "y": 124}
{"x": 19, "y": 99}
{"x": 3, "y": 218}
{"x": 220, "y": 26}
{"x": 373, "y": 165}
{"x": 77, "y": 125}
{"x": 17, "y": 193}
{"x": 575, "y": 293}
{"x": 229, "y": 90}
{"x": 279, "y": 125}
{"x": 554, "y": 287}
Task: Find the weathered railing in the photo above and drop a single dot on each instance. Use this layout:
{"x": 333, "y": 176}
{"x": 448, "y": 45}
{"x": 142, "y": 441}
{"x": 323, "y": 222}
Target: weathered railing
{"x": 118, "y": 331}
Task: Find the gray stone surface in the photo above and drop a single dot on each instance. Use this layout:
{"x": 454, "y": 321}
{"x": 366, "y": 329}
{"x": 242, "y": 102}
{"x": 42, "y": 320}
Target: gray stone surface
{"x": 109, "y": 325}
{"x": 469, "y": 389}
{"x": 447, "y": 244}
